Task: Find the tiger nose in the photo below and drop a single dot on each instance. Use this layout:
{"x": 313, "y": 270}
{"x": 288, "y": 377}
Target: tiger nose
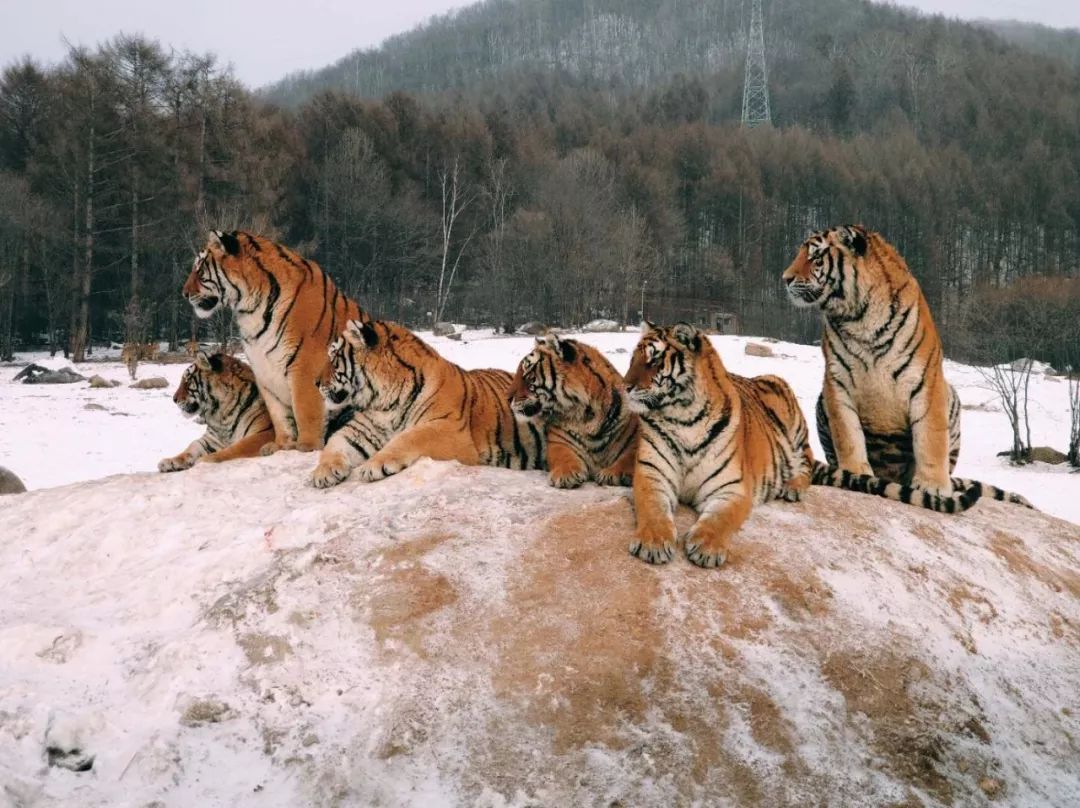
{"x": 338, "y": 396}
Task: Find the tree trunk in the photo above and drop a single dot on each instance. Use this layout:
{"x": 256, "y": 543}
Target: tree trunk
{"x": 80, "y": 338}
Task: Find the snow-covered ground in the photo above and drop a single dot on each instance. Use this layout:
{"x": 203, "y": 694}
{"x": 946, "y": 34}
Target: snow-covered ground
{"x": 49, "y": 437}
{"x": 229, "y": 636}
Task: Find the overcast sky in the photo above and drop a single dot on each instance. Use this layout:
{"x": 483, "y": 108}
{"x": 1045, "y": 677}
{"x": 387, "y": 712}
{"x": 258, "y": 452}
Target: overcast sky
{"x": 264, "y": 45}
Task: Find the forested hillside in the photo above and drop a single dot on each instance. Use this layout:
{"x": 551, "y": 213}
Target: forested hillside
{"x": 549, "y": 160}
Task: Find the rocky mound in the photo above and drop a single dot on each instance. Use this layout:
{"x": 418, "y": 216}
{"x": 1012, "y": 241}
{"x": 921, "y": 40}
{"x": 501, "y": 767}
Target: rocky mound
{"x": 468, "y": 636}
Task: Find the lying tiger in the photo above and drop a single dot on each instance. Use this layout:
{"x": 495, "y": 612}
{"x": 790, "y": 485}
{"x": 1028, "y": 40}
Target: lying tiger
{"x": 221, "y": 392}
{"x": 722, "y": 443}
{"x": 579, "y": 399}
{"x": 885, "y": 408}
{"x": 410, "y": 403}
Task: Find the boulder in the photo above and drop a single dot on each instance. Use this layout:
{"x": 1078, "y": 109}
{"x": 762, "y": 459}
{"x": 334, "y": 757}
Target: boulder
{"x": 443, "y": 329}
{"x": 533, "y": 328}
{"x": 456, "y": 336}
{"x": 152, "y": 383}
{"x": 757, "y": 349}
{"x": 36, "y": 374}
{"x": 10, "y": 482}
{"x": 477, "y": 637}
{"x": 594, "y": 326}
{"x": 98, "y": 382}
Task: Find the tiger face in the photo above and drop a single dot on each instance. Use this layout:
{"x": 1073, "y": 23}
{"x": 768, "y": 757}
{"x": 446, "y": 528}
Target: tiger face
{"x": 339, "y": 382}
{"x": 817, "y": 275}
{"x": 205, "y": 384}
{"x": 542, "y": 386}
{"x": 213, "y": 281}
{"x": 662, "y": 370}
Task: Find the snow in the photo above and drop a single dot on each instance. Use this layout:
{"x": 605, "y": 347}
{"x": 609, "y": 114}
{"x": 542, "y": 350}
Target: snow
{"x": 42, "y": 427}
{"x": 453, "y": 636}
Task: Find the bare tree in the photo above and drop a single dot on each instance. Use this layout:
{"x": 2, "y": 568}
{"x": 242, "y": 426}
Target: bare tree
{"x": 456, "y": 198}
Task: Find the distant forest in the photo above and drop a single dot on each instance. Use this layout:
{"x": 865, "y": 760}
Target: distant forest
{"x": 556, "y": 161}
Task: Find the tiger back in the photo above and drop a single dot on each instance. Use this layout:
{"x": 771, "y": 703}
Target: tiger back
{"x": 288, "y": 312}
{"x": 577, "y": 397}
{"x": 221, "y": 391}
{"x": 409, "y": 402}
{"x": 885, "y": 409}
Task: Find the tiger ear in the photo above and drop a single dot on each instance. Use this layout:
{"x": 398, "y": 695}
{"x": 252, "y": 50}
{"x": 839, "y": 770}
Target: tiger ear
{"x": 217, "y": 363}
{"x": 565, "y": 348}
{"x": 687, "y": 336}
{"x": 647, "y": 327}
{"x": 202, "y": 360}
{"x": 360, "y": 334}
{"x": 226, "y": 241}
{"x": 853, "y": 236}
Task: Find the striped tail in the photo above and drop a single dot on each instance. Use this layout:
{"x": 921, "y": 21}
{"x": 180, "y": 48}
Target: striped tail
{"x": 867, "y": 484}
{"x": 991, "y": 491}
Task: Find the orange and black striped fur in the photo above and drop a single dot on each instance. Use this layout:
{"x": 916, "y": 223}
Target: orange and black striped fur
{"x": 410, "y": 403}
{"x": 574, "y": 394}
{"x": 721, "y": 443}
{"x": 885, "y": 407}
{"x": 288, "y": 311}
{"x": 221, "y": 392}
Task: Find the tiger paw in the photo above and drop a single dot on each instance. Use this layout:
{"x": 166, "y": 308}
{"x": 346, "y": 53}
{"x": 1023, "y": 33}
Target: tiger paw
{"x": 270, "y": 448}
{"x": 609, "y": 476}
{"x": 791, "y": 495}
{"x": 933, "y": 487}
{"x": 704, "y": 555}
{"x": 329, "y": 473}
{"x": 371, "y": 472}
{"x": 572, "y": 479}
{"x": 652, "y": 552}
{"x": 178, "y": 463}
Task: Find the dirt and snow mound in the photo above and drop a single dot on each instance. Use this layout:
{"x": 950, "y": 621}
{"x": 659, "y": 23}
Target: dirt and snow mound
{"x": 471, "y": 636}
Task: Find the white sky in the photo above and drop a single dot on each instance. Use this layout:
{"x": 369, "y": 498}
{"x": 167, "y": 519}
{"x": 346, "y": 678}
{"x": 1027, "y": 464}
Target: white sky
{"x": 265, "y": 39}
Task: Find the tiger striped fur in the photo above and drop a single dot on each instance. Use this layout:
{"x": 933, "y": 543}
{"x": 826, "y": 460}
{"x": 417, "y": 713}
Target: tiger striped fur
{"x": 885, "y": 407}
{"x": 288, "y": 311}
{"x": 579, "y": 399}
{"x": 221, "y": 392}
{"x": 721, "y": 443}
{"x": 410, "y": 403}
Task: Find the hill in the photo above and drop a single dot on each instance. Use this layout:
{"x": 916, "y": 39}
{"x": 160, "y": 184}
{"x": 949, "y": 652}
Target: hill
{"x": 465, "y": 636}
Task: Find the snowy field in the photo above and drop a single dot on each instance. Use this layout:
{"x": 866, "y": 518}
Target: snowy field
{"x": 49, "y": 437}
{"x": 229, "y": 636}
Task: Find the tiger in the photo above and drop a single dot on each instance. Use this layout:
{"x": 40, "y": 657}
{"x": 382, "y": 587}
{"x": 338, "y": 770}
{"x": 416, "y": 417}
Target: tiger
{"x": 288, "y": 311}
{"x": 221, "y": 392}
{"x": 409, "y": 402}
{"x": 885, "y": 407}
{"x": 721, "y": 443}
{"x": 579, "y": 399}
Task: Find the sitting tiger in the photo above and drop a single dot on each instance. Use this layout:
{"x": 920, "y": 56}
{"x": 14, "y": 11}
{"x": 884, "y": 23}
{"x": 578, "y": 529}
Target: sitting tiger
{"x": 885, "y": 407}
{"x": 720, "y": 443}
{"x": 288, "y": 311}
{"x": 221, "y": 392}
{"x": 579, "y": 400}
{"x": 410, "y": 403}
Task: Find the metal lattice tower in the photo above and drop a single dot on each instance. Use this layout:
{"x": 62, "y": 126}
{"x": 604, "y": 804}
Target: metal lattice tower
{"x": 755, "y": 99}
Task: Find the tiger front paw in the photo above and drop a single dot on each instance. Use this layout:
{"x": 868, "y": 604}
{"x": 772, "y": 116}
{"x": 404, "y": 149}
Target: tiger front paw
{"x": 330, "y": 472}
{"x": 610, "y": 476}
{"x": 178, "y": 463}
{"x": 933, "y": 487}
{"x": 371, "y": 471}
{"x": 568, "y": 479}
{"x": 654, "y": 544}
{"x": 705, "y": 552}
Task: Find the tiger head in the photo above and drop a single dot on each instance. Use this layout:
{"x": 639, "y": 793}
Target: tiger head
{"x": 664, "y": 367}
{"x": 818, "y": 274}
{"x": 370, "y": 362}
{"x": 564, "y": 379}
{"x": 220, "y": 274}
{"x": 209, "y": 383}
